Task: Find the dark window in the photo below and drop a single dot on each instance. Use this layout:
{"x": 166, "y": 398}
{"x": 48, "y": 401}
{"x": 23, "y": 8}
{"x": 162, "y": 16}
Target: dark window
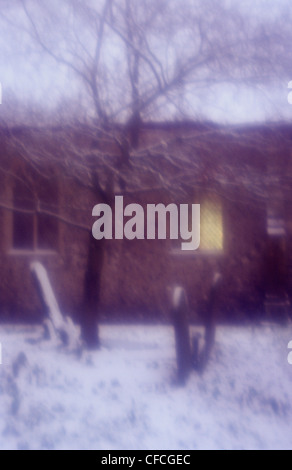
{"x": 33, "y": 227}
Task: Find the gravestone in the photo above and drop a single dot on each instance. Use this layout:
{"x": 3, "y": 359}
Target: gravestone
{"x": 56, "y": 324}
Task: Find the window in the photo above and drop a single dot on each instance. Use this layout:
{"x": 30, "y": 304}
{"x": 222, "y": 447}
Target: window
{"x": 32, "y": 229}
{"x": 211, "y": 224}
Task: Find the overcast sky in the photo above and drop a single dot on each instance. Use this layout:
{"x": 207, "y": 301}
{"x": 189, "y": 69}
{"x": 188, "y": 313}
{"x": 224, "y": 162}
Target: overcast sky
{"x": 33, "y": 78}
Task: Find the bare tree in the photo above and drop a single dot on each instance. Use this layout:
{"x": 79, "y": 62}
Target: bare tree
{"x": 139, "y": 59}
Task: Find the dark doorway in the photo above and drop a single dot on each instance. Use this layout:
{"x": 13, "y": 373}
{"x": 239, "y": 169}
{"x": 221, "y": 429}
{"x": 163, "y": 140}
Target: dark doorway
{"x": 275, "y": 267}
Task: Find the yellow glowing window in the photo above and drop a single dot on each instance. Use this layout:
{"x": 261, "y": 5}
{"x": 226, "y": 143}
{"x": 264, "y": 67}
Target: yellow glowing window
{"x": 211, "y": 224}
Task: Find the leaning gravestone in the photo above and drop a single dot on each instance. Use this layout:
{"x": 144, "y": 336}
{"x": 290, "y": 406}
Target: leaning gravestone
{"x": 56, "y": 324}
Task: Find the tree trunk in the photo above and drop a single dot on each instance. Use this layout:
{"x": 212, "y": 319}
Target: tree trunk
{"x": 92, "y": 291}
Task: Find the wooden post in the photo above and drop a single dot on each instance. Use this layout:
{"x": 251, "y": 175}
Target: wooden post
{"x": 179, "y": 314}
{"x": 210, "y": 320}
{"x": 196, "y": 358}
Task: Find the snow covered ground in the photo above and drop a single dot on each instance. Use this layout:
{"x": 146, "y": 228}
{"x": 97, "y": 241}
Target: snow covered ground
{"x": 125, "y": 397}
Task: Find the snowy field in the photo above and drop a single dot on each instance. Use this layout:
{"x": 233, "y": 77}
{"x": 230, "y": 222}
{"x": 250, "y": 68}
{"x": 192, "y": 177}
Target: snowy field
{"x": 125, "y": 397}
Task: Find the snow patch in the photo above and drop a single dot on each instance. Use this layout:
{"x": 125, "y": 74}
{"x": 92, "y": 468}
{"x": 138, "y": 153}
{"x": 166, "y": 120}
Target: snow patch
{"x": 125, "y": 396}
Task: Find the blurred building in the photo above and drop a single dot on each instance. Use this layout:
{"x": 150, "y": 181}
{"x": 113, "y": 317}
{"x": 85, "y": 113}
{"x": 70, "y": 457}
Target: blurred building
{"x": 241, "y": 176}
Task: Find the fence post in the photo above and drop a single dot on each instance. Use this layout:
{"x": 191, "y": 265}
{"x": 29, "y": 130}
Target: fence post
{"x": 179, "y": 315}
